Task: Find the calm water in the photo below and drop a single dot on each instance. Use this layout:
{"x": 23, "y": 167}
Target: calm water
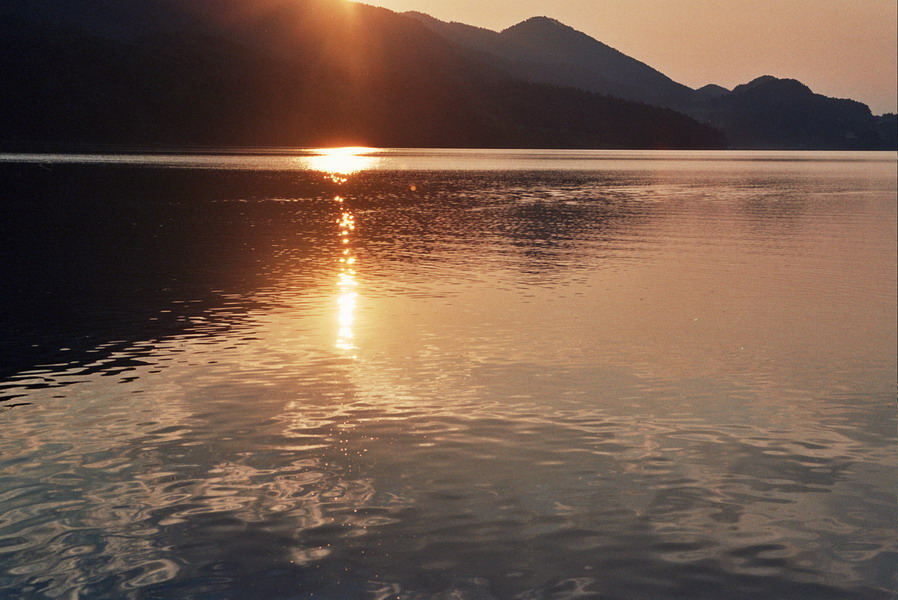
{"x": 448, "y": 375}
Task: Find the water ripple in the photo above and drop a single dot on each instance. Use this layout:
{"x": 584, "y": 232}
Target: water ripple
{"x": 661, "y": 381}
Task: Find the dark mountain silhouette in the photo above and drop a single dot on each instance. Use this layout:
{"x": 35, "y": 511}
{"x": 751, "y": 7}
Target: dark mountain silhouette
{"x": 767, "y": 113}
{"x": 887, "y": 129}
{"x": 785, "y": 114}
{"x": 544, "y": 50}
{"x": 320, "y": 72}
{"x": 283, "y": 72}
{"x": 711, "y": 91}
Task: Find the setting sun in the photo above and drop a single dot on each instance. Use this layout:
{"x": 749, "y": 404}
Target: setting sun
{"x": 319, "y": 299}
{"x": 340, "y": 162}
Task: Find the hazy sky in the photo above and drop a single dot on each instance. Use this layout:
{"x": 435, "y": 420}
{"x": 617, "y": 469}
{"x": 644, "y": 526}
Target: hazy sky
{"x": 841, "y": 48}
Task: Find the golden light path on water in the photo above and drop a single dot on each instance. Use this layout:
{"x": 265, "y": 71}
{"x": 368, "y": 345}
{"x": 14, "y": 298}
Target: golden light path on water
{"x": 346, "y": 282}
{"x": 338, "y": 164}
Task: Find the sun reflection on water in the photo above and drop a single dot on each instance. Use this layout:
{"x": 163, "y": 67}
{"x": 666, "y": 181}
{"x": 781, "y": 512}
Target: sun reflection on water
{"x": 338, "y": 163}
{"x": 347, "y": 282}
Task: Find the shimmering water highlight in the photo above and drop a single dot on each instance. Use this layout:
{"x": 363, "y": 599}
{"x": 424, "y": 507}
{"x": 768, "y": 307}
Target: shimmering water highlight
{"x": 441, "y": 374}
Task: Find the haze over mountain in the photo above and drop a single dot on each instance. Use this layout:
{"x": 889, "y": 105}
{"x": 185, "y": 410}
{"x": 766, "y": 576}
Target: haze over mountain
{"x": 325, "y": 72}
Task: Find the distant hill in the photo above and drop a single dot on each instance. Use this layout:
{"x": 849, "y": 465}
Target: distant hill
{"x": 887, "y": 129}
{"x": 324, "y": 72}
{"x": 286, "y": 73}
{"x": 544, "y": 50}
{"x": 767, "y": 113}
{"x": 711, "y": 91}
{"x": 785, "y": 114}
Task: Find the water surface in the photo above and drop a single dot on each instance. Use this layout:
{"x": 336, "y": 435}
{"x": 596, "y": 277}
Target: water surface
{"x": 448, "y": 374}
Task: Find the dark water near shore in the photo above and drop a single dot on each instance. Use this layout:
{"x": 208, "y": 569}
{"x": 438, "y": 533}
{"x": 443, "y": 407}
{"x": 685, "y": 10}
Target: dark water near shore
{"x": 450, "y": 375}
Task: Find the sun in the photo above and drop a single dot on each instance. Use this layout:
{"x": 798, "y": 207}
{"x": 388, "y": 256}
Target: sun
{"x": 342, "y": 162}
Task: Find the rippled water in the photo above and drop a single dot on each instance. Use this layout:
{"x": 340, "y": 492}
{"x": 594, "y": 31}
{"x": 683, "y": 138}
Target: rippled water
{"x": 448, "y": 374}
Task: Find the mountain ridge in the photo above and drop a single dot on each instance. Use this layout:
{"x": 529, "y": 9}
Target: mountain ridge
{"x": 545, "y": 50}
{"x": 770, "y": 112}
{"x": 231, "y": 72}
{"x": 765, "y": 113}
{"x": 540, "y": 20}
{"x": 286, "y": 73}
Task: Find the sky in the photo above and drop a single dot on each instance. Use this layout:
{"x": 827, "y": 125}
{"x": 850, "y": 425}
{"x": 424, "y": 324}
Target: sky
{"x": 839, "y": 48}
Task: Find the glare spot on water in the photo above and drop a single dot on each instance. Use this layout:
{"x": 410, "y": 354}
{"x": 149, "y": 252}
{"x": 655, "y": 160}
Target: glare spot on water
{"x": 346, "y": 283}
{"x": 652, "y": 381}
{"x": 338, "y": 163}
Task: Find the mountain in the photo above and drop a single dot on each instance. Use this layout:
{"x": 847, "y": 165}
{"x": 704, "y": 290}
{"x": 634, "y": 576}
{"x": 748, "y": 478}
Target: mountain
{"x": 711, "y": 91}
{"x": 324, "y": 72}
{"x": 766, "y": 113}
{"x": 773, "y": 113}
{"x": 286, "y": 73}
{"x": 544, "y": 50}
{"x": 887, "y": 128}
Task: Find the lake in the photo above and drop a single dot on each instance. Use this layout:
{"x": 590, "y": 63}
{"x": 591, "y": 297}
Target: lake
{"x": 448, "y": 374}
